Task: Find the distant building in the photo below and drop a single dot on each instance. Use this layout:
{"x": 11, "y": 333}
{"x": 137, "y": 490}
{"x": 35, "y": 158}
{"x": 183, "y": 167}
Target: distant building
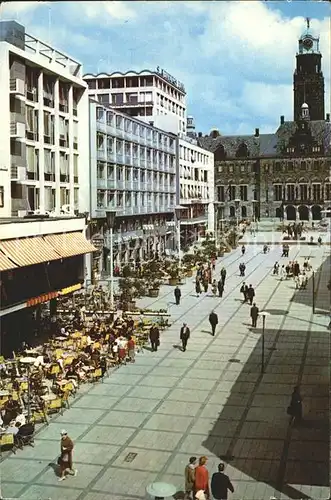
{"x": 132, "y": 172}
{"x": 285, "y": 174}
{"x": 145, "y": 94}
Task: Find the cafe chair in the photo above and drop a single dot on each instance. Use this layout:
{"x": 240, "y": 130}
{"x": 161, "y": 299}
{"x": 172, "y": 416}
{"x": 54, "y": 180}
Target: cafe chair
{"x": 39, "y": 416}
{"x": 25, "y": 435}
{"x": 7, "y": 442}
{"x": 97, "y": 375}
{"x": 54, "y": 406}
{"x": 65, "y": 401}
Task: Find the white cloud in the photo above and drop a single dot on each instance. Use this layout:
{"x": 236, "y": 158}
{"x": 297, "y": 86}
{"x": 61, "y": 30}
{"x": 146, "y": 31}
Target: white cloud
{"x": 100, "y": 13}
{"x": 17, "y": 8}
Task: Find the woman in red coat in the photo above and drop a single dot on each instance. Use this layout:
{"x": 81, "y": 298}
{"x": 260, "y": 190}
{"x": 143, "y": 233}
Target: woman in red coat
{"x": 202, "y": 477}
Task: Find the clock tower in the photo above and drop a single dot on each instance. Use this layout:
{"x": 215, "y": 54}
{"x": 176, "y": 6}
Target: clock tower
{"x": 308, "y": 78}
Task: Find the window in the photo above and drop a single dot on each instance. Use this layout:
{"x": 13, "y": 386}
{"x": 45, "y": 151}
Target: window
{"x": 104, "y": 83}
{"x": 100, "y": 114}
{"x": 242, "y": 151}
{"x": 220, "y": 193}
{"x": 75, "y": 168}
{"x": 2, "y": 196}
{"x": 49, "y": 166}
{"x": 243, "y": 193}
{"x": 92, "y": 84}
{"x": 47, "y": 127}
{"x": 277, "y": 166}
{"x": 303, "y": 192}
{"x": 327, "y": 191}
{"x": 278, "y": 192}
{"x": 290, "y": 166}
{"x": 316, "y": 192}
{"x": 290, "y": 191}
{"x": 64, "y": 167}
{"x": 117, "y": 99}
{"x": 267, "y": 195}
{"x": 232, "y": 192}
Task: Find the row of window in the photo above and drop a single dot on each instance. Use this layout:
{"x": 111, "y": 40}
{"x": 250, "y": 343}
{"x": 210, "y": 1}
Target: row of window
{"x": 132, "y": 127}
{"x": 193, "y": 156}
{"x": 169, "y": 105}
{"x": 120, "y": 147}
{"x": 194, "y": 192}
{"x": 133, "y": 82}
{"x": 133, "y": 200}
{"x": 290, "y": 192}
{"x": 194, "y": 174}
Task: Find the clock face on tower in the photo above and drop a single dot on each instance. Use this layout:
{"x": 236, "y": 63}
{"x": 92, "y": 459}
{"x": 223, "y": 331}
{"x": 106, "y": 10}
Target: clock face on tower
{"x": 307, "y": 43}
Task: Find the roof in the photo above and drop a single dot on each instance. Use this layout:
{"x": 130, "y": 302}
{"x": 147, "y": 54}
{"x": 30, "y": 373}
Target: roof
{"x": 266, "y": 145}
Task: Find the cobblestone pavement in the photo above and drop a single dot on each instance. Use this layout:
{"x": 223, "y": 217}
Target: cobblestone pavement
{"x": 211, "y": 399}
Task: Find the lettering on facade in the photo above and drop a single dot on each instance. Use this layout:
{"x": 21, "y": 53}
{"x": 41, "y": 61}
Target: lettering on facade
{"x": 170, "y": 78}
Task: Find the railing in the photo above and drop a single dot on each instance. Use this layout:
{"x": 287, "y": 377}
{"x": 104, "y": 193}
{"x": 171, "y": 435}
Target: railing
{"x": 135, "y": 161}
{"x": 128, "y": 159}
{"x": 120, "y": 158}
{"x": 101, "y": 183}
{"x": 111, "y": 184}
{"x": 119, "y": 185}
{"x": 101, "y": 154}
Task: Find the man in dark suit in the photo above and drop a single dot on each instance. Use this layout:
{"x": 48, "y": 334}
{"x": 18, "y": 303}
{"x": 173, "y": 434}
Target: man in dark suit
{"x": 250, "y": 294}
{"x": 220, "y": 484}
{"x": 184, "y": 335}
{"x": 178, "y": 295}
{"x": 154, "y": 337}
{"x": 213, "y": 320}
{"x": 254, "y": 314}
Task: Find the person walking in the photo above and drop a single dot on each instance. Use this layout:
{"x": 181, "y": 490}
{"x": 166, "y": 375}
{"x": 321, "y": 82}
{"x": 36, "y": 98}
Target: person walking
{"x": 205, "y": 284}
{"x": 243, "y": 250}
{"x": 220, "y": 484}
{"x": 131, "y": 349}
{"x": 242, "y": 269}
{"x": 250, "y": 294}
{"x": 243, "y": 290}
{"x": 220, "y": 287}
{"x": 223, "y": 275}
{"x": 154, "y": 337}
{"x": 214, "y": 287}
{"x": 295, "y": 408}
{"x": 65, "y": 459}
{"x": 189, "y": 474}
{"x": 254, "y": 314}
{"x": 275, "y": 269}
{"x": 197, "y": 286}
{"x": 184, "y": 336}
{"x": 213, "y": 320}
{"x": 178, "y": 295}
{"x": 201, "y": 479}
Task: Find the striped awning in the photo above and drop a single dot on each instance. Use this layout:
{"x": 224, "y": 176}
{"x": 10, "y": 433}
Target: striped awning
{"x": 5, "y": 263}
{"x": 69, "y": 244}
{"x": 28, "y": 251}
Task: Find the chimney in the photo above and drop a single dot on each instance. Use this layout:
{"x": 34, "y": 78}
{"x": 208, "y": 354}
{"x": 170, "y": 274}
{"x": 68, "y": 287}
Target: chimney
{"x": 257, "y": 132}
{"x": 282, "y": 119}
{"x": 327, "y": 117}
{"x": 200, "y": 134}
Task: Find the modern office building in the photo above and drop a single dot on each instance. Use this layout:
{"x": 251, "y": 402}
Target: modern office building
{"x": 132, "y": 172}
{"x": 44, "y": 127}
{"x": 196, "y": 193}
{"x": 145, "y": 94}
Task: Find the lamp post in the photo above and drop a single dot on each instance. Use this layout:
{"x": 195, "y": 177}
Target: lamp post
{"x": 110, "y": 217}
{"x": 254, "y": 210}
{"x": 237, "y": 204}
{"x": 217, "y": 206}
{"x": 178, "y": 210}
{"x": 263, "y": 314}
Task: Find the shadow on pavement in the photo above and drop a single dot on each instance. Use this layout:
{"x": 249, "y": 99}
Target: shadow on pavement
{"x": 252, "y": 432}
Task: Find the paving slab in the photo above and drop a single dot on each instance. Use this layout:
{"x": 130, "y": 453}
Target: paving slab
{"x": 145, "y": 421}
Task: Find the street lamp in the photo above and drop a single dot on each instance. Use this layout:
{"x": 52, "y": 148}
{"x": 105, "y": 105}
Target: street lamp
{"x": 254, "y": 210}
{"x": 237, "y": 203}
{"x": 217, "y": 206}
{"x": 110, "y": 218}
{"x": 178, "y": 210}
{"x": 263, "y": 314}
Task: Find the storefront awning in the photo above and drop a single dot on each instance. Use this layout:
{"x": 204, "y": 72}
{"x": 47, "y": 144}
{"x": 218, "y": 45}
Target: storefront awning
{"x": 29, "y": 251}
{"x": 69, "y": 244}
{"x": 5, "y": 263}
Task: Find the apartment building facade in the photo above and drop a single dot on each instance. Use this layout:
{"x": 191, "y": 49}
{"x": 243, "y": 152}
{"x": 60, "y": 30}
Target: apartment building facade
{"x": 143, "y": 94}
{"x": 196, "y": 190}
{"x": 44, "y": 133}
{"x": 132, "y": 173}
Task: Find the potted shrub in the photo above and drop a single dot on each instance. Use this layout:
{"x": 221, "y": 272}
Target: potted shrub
{"x": 174, "y": 275}
{"x": 154, "y": 288}
{"x": 128, "y": 292}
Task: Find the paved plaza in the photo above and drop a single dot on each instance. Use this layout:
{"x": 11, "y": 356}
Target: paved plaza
{"x": 210, "y": 400}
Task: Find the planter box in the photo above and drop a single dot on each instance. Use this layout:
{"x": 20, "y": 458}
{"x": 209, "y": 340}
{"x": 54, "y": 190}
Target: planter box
{"x": 189, "y": 273}
{"x": 174, "y": 281}
{"x": 220, "y": 254}
{"x": 153, "y": 292}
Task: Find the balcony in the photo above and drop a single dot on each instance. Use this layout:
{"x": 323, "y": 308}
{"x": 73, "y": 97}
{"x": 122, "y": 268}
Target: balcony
{"x": 17, "y": 129}
{"x": 127, "y": 135}
{"x": 101, "y": 183}
{"x": 111, "y": 184}
{"x": 120, "y": 158}
{"x": 135, "y": 161}
{"x": 101, "y": 155}
{"x": 111, "y": 156}
{"x": 127, "y": 211}
{"x": 18, "y": 174}
{"x": 120, "y": 185}
{"x": 128, "y": 159}
{"x": 16, "y": 86}
{"x": 135, "y": 185}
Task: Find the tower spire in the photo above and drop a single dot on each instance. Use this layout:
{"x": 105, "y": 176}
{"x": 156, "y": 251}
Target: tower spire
{"x": 308, "y": 22}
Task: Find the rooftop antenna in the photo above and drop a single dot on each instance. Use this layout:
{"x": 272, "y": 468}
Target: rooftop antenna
{"x": 49, "y": 24}
{"x": 308, "y": 22}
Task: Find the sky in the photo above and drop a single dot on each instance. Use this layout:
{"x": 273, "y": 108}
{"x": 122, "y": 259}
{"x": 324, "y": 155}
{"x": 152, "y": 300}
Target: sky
{"x": 235, "y": 58}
